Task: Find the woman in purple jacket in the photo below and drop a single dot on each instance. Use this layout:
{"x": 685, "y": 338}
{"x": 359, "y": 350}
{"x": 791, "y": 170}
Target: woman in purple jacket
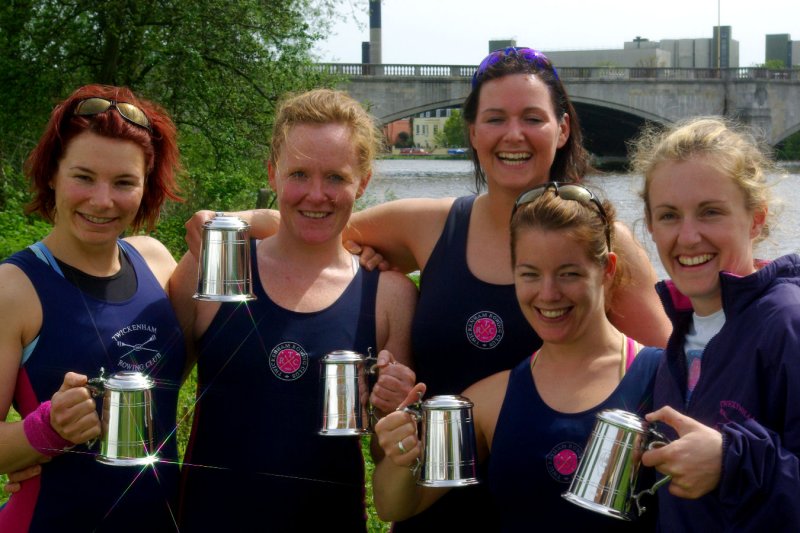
{"x": 728, "y": 385}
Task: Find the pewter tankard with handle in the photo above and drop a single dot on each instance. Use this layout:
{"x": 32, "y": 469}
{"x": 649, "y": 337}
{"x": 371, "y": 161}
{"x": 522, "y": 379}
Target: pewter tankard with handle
{"x": 127, "y": 420}
{"x": 224, "y": 272}
{"x": 605, "y": 481}
{"x": 345, "y": 393}
{"x": 449, "y": 456}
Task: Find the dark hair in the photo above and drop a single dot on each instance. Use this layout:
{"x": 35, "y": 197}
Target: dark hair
{"x": 571, "y": 162}
{"x": 162, "y": 159}
{"x": 550, "y": 212}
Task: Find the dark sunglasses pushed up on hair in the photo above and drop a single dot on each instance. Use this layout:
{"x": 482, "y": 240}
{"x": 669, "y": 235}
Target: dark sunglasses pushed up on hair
{"x": 529, "y": 55}
{"x": 566, "y": 191}
{"x": 128, "y": 111}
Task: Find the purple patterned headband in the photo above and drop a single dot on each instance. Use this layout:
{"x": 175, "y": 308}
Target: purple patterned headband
{"x": 534, "y": 57}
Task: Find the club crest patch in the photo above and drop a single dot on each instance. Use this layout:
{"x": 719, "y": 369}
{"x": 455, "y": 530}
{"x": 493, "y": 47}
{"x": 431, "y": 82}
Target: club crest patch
{"x": 485, "y": 330}
{"x": 562, "y": 461}
{"x": 288, "y": 361}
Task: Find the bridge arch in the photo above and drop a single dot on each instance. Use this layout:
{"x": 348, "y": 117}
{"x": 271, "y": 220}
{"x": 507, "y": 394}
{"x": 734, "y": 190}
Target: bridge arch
{"x": 429, "y": 106}
{"x": 767, "y": 99}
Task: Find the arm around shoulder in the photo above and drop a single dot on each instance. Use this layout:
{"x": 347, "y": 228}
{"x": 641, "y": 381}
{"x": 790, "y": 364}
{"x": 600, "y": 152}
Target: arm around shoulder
{"x": 403, "y": 231}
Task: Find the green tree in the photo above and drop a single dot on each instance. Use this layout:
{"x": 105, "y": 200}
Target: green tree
{"x": 404, "y": 140}
{"x": 218, "y": 66}
{"x": 453, "y": 134}
{"x": 789, "y": 148}
{"x": 774, "y": 64}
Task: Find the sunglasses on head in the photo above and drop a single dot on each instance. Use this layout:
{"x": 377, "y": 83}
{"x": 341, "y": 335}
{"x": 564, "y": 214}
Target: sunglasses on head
{"x": 531, "y": 56}
{"x": 97, "y": 105}
{"x": 566, "y": 191}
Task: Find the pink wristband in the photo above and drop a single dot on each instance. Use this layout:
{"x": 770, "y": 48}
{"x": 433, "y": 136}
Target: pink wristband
{"x": 43, "y": 438}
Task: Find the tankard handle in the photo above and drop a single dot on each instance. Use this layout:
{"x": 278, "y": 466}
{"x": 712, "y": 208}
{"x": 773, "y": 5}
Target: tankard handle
{"x": 659, "y": 442}
{"x": 415, "y": 410}
{"x": 97, "y": 387}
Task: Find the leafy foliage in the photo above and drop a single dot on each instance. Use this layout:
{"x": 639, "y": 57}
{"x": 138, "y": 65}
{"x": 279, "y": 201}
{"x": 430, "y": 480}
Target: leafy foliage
{"x": 218, "y": 66}
{"x": 453, "y": 134}
{"x": 789, "y": 148}
{"x": 16, "y": 230}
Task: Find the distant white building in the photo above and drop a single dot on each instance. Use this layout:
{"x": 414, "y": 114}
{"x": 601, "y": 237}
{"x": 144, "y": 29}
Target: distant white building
{"x": 426, "y": 126}
{"x": 667, "y": 53}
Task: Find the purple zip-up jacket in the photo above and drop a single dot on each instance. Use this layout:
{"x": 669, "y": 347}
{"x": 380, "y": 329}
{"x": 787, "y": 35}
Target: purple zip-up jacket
{"x": 749, "y": 390}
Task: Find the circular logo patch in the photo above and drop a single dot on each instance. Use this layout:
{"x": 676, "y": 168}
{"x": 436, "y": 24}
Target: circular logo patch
{"x": 288, "y": 361}
{"x": 485, "y": 330}
{"x": 562, "y": 461}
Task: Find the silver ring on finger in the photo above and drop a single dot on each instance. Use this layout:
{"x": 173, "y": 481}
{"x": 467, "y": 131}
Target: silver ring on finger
{"x": 401, "y": 447}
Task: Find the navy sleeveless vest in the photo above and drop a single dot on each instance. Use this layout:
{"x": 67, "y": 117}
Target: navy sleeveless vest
{"x": 464, "y": 330}
{"x": 82, "y": 334}
{"x": 254, "y": 456}
{"x": 536, "y": 451}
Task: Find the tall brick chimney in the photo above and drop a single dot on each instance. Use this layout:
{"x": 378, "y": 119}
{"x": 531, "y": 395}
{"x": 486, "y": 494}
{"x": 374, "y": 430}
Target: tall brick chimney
{"x": 375, "y": 32}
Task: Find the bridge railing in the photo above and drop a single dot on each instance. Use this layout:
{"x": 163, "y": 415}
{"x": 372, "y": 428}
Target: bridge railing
{"x": 565, "y": 73}
{"x": 366, "y": 69}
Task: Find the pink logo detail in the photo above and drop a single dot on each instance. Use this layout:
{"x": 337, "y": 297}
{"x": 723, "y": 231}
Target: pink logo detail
{"x": 565, "y": 462}
{"x": 732, "y": 411}
{"x": 288, "y": 361}
{"x": 694, "y": 373}
{"x": 562, "y": 461}
{"x": 485, "y": 330}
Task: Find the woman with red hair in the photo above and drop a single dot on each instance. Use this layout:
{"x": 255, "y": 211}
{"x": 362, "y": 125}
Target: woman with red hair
{"x": 82, "y": 300}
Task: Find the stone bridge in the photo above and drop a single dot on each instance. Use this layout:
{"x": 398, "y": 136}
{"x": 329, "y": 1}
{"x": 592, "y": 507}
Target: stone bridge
{"x": 612, "y": 103}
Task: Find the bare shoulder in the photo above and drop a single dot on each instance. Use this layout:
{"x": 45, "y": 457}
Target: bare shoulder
{"x": 392, "y": 285}
{"x": 20, "y": 309}
{"x": 635, "y": 307}
{"x": 487, "y": 395}
{"x": 489, "y": 390}
{"x": 15, "y": 286}
{"x": 155, "y": 255}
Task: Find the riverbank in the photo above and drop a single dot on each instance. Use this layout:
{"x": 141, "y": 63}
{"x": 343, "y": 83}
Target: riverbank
{"x": 423, "y": 156}
{"x": 604, "y": 164}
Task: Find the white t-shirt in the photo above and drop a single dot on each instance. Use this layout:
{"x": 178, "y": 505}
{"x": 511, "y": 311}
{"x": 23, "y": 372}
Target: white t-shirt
{"x": 701, "y": 331}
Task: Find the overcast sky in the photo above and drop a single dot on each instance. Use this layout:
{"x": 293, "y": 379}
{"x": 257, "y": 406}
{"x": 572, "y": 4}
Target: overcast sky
{"x": 457, "y": 32}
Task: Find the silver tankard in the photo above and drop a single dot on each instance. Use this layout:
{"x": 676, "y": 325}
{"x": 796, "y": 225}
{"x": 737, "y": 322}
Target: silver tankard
{"x": 449, "y": 452}
{"x": 127, "y": 420}
{"x": 345, "y": 394}
{"x": 605, "y": 481}
{"x": 224, "y": 272}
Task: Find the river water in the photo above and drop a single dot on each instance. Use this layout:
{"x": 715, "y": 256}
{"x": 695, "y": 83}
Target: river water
{"x": 423, "y": 178}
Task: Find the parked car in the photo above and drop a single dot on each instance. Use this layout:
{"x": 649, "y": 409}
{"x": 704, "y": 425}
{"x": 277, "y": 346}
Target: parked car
{"x": 414, "y": 151}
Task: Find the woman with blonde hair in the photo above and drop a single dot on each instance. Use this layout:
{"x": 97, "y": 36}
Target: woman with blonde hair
{"x": 255, "y": 455}
{"x": 728, "y": 386}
